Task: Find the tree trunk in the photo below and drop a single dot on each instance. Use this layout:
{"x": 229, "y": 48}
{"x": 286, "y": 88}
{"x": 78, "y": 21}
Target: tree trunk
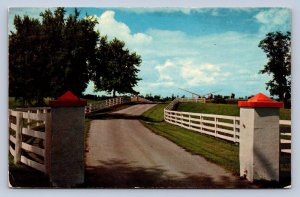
{"x": 114, "y": 93}
{"x": 40, "y": 102}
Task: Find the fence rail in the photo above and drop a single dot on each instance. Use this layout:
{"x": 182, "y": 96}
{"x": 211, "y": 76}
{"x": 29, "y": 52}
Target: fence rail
{"x": 285, "y": 136}
{"x": 196, "y": 100}
{"x": 27, "y": 135}
{"x": 29, "y": 129}
{"x": 224, "y": 127}
{"x": 96, "y": 106}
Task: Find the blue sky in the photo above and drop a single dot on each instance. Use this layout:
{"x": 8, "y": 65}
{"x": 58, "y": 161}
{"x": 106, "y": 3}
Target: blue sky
{"x": 202, "y": 50}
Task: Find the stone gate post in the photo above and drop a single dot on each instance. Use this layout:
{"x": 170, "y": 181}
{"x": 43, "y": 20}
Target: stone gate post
{"x": 259, "y": 138}
{"x": 67, "y": 141}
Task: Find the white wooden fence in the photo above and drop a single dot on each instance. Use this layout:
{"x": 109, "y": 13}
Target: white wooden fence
{"x": 29, "y": 129}
{"x": 140, "y": 99}
{"x": 224, "y": 127}
{"x": 28, "y": 136}
{"x": 196, "y": 100}
{"x": 96, "y": 106}
{"x": 285, "y": 137}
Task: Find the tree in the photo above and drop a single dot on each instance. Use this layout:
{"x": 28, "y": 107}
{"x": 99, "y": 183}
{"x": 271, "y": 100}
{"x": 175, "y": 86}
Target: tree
{"x": 115, "y": 69}
{"x": 232, "y": 96}
{"x": 50, "y": 57}
{"x": 277, "y": 46}
{"x": 24, "y": 64}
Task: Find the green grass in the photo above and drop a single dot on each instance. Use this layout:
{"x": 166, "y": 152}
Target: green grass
{"x": 216, "y": 150}
{"x": 221, "y": 109}
{"x": 155, "y": 114}
{"x": 23, "y": 176}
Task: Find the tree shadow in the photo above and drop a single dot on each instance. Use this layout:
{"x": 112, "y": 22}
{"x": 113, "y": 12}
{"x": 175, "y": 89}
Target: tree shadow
{"x": 110, "y": 116}
{"x": 121, "y": 174}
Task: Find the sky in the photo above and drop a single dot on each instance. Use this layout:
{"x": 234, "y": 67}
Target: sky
{"x": 202, "y": 50}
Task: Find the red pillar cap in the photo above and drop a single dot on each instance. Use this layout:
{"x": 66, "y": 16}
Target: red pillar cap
{"x": 68, "y": 100}
{"x": 260, "y": 100}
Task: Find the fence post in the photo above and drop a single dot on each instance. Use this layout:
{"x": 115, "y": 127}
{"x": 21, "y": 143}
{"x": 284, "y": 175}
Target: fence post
{"x": 67, "y": 141}
{"x": 181, "y": 115}
{"x": 259, "y": 138}
{"x": 216, "y": 123}
{"x": 234, "y": 129}
{"x": 38, "y": 112}
{"x": 45, "y": 111}
{"x": 18, "y": 145}
{"x": 48, "y": 142}
{"x": 90, "y": 107}
{"x": 189, "y": 121}
{"x": 200, "y": 122}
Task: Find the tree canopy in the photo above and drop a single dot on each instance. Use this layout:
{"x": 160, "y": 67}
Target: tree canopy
{"x": 277, "y": 46}
{"x": 56, "y": 53}
{"x": 51, "y": 56}
{"x": 116, "y": 68}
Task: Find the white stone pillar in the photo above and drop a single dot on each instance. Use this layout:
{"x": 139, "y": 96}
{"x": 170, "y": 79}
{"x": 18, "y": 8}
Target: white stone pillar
{"x": 259, "y": 138}
{"x": 67, "y": 141}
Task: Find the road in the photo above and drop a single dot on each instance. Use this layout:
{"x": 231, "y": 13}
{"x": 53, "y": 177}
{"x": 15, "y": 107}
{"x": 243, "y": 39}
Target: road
{"x": 122, "y": 153}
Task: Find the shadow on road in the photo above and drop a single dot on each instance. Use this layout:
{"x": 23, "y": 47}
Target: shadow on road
{"x": 120, "y": 174}
{"x": 111, "y": 116}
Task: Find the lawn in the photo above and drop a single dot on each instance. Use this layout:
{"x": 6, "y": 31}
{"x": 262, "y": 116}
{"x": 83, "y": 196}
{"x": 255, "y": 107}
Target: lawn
{"x": 221, "y": 109}
{"x": 223, "y": 153}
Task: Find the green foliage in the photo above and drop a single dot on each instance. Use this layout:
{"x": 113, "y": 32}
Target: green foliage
{"x": 277, "y": 47}
{"x": 50, "y": 57}
{"x": 213, "y": 149}
{"x": 115, "y": 67}
{"x": 219, "y": 99}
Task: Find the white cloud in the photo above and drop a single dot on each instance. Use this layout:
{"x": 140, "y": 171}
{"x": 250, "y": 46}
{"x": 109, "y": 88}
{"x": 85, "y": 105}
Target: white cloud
{"x": 203, "y": 63}
{"x": 188, "y": 72}
{"x": 107, "y": 25}
{"x": 186, "y": 11}
{"x": 162, "y": 84}
{"x": 166, "y": 70}
{"x": 195, "y": 74}
{"x": 274, "y": 19}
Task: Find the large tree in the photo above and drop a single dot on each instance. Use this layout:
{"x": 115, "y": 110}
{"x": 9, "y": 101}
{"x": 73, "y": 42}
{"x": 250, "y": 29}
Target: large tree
{"x": 277, "y": 46}
{"x": 50, "y": 56}
{"x": 116, "y": 67}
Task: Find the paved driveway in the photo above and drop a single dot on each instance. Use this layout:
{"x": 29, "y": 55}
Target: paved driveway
{"x": 122, "y": 153}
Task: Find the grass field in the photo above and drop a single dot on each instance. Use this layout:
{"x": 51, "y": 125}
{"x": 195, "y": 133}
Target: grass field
{"x": 223, "y": 153}
{"x": 213, "y": 149}
{"x": 221, "y": 109}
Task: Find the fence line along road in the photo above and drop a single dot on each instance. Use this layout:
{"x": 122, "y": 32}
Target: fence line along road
{"x": 28, "y": 136}
{"x": 30, "y": 131}
{"x": 96, "y": 106}
{"x": 224, "y": 127}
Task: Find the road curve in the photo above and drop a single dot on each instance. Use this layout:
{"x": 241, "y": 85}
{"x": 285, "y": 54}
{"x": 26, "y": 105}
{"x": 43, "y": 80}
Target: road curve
{"x": 122, "y": 153}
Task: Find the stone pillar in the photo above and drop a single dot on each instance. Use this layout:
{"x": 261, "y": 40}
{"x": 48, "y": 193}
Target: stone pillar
{"x": 67, "y": 141}
{"x": 259, "y": 138}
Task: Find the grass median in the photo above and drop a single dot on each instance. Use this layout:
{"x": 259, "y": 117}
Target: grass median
{"x": 218, "y": 151}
